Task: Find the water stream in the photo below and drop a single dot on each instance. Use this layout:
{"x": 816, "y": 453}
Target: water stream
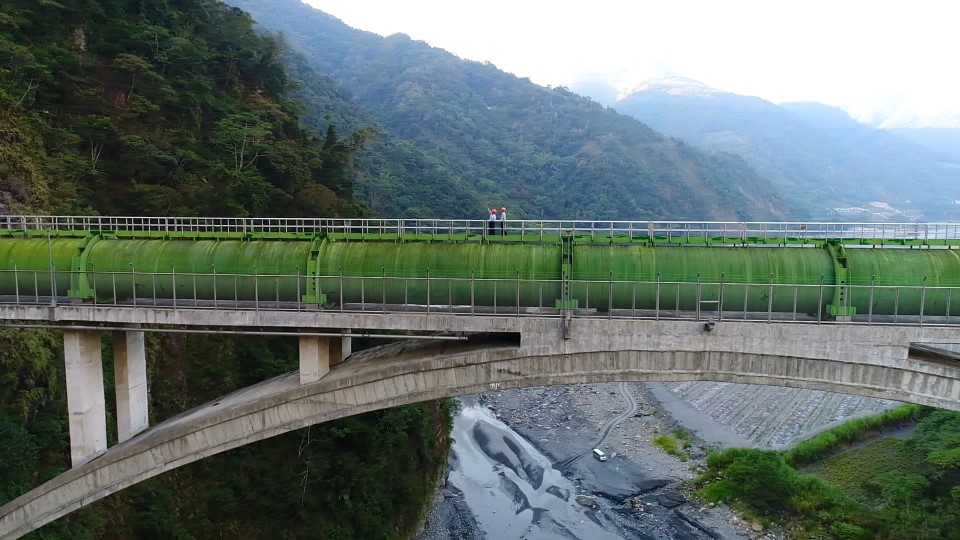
{"x": 511, "y": 487}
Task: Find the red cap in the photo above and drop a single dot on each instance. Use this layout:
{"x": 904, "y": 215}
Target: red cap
{"x": 504, "y": 208}
{"x": 494, "y": 211}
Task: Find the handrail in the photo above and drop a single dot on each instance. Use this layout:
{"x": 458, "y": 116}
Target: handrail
{"x": 724, "y": 299}
{"x": 451, "y": 229}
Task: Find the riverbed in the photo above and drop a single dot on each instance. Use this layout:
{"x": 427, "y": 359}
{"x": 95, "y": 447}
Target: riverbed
{"x": 521, "y": 465}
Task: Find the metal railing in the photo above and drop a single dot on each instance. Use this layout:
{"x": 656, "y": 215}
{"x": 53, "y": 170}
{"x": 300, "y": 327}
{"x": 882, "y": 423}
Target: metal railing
{"x": 441, "y": 229}
{"x": 515, "y": 296}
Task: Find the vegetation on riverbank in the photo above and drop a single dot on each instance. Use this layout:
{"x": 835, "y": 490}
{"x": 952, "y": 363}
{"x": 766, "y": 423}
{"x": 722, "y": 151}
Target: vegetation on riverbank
{"x": 674, "y": 444}
{"x": 887, "y": 489}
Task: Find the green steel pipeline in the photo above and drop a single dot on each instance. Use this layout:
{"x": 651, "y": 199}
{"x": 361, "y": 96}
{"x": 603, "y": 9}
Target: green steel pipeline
{"x": 881, "y": 281}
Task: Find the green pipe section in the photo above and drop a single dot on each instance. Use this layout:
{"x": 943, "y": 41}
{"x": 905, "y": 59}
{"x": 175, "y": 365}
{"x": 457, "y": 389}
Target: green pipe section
{"x": 459, "y": 273}
{"x": 209, "y": 269}
{"x": 880, "y": 277}
{"x": 746, "y": 274}
{"x": 25, "y": 267}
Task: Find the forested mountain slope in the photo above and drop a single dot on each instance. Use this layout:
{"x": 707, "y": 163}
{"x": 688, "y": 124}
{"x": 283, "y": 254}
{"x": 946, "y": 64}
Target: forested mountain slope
{"x": 179, "y": 107}
{"x": 812, "y": 151}
{"x": 541, "y": 152}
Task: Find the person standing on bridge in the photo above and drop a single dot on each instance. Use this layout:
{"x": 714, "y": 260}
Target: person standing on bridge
{"x": 503, "y": 221}
{"x": 492, "y": 222}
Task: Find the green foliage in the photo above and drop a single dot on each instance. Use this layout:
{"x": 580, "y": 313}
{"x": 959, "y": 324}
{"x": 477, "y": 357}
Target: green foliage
{"x": 178, "y": 107}
{"x": 463, "y": 136}
{"x": 674, "y": 444}
{"x": 29, "y": 371}
{"x": 851, "y": 471}
{"x": 905, "y": 490}
{"x": 822, "y": 444}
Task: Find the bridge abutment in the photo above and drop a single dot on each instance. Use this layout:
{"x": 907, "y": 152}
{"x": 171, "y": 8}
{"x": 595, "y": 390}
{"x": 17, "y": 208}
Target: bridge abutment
{"x": 86, "y": 404}
{"x": 130, "y": 373}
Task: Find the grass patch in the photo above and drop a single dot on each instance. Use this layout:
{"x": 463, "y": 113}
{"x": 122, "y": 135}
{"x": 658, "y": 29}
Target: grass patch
{"x": 674, "y": 444}
{"x": 823, "y": 444}
{"x": 850, "y": 471}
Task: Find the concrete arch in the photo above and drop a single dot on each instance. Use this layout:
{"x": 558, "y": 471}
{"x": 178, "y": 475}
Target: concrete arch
{"x": 847, "y": 359}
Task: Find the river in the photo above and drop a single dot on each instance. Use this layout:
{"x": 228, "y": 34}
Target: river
{"x": 512, "y": 489}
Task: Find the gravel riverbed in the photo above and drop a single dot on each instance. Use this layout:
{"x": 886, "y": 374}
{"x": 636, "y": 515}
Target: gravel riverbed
{"x": 641, "y": 492}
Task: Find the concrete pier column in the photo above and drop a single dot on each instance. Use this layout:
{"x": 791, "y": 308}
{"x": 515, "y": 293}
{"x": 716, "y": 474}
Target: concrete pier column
{"x": 314, "y": 358}
{"x": 86, "y": 406}
{"x": 341, "y": 348}
{"x": 130, "y": 373}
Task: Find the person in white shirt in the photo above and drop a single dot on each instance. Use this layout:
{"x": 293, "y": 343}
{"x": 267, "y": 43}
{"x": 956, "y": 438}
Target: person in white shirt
{"x": 492, "y": 222}
{"x": 503, "y": 221}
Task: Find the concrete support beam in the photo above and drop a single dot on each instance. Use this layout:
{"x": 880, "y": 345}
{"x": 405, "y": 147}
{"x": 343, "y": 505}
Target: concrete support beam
{"x": 340, "y": 348}
{"x": 130, "y": 372}
{"x": 86, "y": 405}
{"x": 314, "y": 358}
{"x": 318, "y": 353}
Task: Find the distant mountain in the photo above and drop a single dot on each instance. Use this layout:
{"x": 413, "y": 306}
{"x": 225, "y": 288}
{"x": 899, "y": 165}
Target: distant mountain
{"x": 944, "y": 141}
{"x": 814, "y": 152}
{"x": 485, "y": 137}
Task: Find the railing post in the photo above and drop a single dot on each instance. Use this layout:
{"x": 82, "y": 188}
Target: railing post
{"x": 53, "y": 272}
{"x": 340, "y": 271}
{"x": 383, "y": 287}
{"x": 896, "y": 306}
{"x": 173, "y": 280}
{"x": 428, "y": 290}
{"x": 657, "y": 302}
{"x": 16, "y": 282}
{"x": 698, "y": 294}
{"x": 949, "y": 297}
{"x": 873, "y": 280}
{"x": 518, "y": 292}
{"x": 720, "y": 292}
{"x": 214, "y": 267}
{"x": 133, "y": 285}
{"x": 820, "y": 301}
{"x": 770, "y": 300}
{"x": 472, "y": 292}
{"x": 923, "y": 296}
{"x": 610, "y": 288}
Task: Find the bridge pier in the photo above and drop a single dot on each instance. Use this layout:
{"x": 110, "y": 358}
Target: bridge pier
{"x": 319, "y": 353}
{"x": 86, "y": 405}
{"x": 130, "y": 374}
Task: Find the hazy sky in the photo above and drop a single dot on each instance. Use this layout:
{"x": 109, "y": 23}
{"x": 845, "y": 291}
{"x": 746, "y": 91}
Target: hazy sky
{"x": 865, "y": 56}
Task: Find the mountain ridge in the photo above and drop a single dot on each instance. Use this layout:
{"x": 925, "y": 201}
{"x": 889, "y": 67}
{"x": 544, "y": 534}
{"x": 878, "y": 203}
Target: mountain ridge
{"x": 545, "y": 152}
{"x": 812, "y": 151}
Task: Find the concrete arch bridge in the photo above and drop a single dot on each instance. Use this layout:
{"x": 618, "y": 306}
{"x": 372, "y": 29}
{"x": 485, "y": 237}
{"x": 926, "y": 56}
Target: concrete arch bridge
{"x": 728, "y": 321}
